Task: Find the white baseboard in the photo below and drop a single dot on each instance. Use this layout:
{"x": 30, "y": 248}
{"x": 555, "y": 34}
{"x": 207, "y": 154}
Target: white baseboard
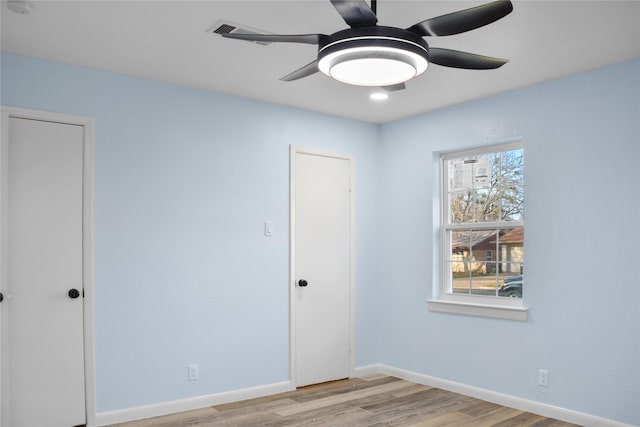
{"x": 518, "y": 403}
{"x": 546, "y": 410}
{"x": 362, "y": 371}
{"x": 155, "y": 410}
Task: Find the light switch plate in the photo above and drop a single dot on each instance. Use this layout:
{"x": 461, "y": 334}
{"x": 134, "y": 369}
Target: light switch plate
{"x": 193, "y": 373}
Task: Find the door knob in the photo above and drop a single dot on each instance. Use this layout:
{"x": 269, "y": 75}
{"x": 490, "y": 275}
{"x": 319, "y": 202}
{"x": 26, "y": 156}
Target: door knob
{"x": 1, "y": 297}
{"x": 74, "y": 293}
{"x": 302, "y": 283}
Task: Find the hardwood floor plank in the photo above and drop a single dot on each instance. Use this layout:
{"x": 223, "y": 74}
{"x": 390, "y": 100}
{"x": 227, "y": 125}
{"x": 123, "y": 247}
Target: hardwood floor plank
{"x": 247, "y": 419}
{"x": 410, "y": 389}
{"x": 420, "y": 399}
{"x": 347, "y": 416}
{"x": 187, "y": 418}
{"x": 260, "y": 404}
{"x": 424, "y": 407}
{"x": 325, "y": 402}
{"x": 490, "y": 418}
{"x": 370, "y": 377}
{"x": 523, "y": 419}
{"x": 445, "y": 420}
{"x": 480, "y": 408}
{"x": 549, "y": 422}
{"x": 373, "y": 401}
{"x": 333, "y": 388}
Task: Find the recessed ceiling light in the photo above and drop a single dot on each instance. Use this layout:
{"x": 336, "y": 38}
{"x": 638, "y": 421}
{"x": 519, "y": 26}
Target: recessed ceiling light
{"x": 379, "y": 96}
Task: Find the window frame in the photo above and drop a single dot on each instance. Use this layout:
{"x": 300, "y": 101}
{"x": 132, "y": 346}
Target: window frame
{"x": 443, "y": 300}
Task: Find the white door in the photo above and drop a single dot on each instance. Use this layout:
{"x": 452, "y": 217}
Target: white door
{"x": 322, "y": 266}
{"x": 43, "y": 239}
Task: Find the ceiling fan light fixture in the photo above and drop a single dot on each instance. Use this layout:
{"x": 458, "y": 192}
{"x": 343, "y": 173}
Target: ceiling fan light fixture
{"x": 368, "y": 54}
{"x": 374, "y": 59}
{"x": 373, "y": 65}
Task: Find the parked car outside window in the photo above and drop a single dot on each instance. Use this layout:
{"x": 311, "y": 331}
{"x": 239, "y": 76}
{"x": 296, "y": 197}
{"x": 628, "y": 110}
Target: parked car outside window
{"x": 511, "y": 287}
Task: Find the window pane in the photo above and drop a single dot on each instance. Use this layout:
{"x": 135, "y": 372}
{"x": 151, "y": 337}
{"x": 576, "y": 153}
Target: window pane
{"x": 511, "y": 269}
{"x": 483, "y": 253}
{"x": 512, "y": 168}
{"x": 485, "y": 282}
{"x": 467, "y": 173}
{"x": 512, "y": 203}
{"x": 510, "y": 245}
{"x": 461, "y": 207}
{"x": 511, "y": 185}
{"x": 511, "y": 261}
{"x": 460, "y": 261}
{"x": 484, "y": 170}
{"x": 511, "y": 286}
{"x": 460, "y": 282}
{"x": 487, "y": 205}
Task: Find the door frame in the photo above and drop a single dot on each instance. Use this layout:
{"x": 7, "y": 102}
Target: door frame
{"x": 293, "y": 150}
{"x": 87, "y": 243}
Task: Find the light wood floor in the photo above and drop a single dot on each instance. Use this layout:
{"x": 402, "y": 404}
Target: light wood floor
{"x": 374, "y": 400}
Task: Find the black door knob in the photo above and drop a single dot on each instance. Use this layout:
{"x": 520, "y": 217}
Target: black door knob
{"x": 1, "y": 297}
{"x": 302, "y": 283}
{"x": 74, "y": 293}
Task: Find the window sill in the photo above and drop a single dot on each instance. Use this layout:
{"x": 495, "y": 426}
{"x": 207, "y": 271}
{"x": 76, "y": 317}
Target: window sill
{"x": 482, "y": 310}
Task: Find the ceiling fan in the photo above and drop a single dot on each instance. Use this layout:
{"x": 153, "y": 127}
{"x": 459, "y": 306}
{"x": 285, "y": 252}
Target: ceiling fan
{"x": 367, "y": 54}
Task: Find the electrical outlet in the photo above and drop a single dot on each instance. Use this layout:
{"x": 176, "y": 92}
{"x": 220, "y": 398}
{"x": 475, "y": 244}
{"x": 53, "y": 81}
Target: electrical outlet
{"x": 543, "y": 377}
{"x": 192, "y": 374}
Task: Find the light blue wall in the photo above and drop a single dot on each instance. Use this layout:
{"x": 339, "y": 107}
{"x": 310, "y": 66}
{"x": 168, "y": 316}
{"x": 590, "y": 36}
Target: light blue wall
{"x": 582, "y": 177}
{"x": 184, "y": 180}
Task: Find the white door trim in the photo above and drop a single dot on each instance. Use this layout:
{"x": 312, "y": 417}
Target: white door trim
{"x": 87, "y": 236}
{"x": 294, "y": 149}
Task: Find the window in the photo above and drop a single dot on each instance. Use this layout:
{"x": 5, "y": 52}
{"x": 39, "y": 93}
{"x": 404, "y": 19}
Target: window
{"x": 482, "y": 229}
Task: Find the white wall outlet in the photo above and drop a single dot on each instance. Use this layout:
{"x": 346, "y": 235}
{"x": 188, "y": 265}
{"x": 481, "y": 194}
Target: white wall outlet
{"x": 192, "y": 373}
{"x": 543, "y": 377}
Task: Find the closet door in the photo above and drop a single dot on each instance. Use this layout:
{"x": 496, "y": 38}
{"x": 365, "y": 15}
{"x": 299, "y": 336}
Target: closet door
{"x": 323, "y": 215}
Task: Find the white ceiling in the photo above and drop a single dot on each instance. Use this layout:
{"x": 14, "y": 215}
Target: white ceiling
{"x": 168, "y": 41}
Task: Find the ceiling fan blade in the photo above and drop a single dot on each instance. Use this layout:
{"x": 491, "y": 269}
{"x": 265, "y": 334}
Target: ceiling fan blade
{"x": 463, "y": 20}
{"x": 356, "y": 13}
{"x": 307, "y": 70}
{"x": 277, "y": 38}
{"x": 393, "y": 88}
{"x": 458, "y": 59}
